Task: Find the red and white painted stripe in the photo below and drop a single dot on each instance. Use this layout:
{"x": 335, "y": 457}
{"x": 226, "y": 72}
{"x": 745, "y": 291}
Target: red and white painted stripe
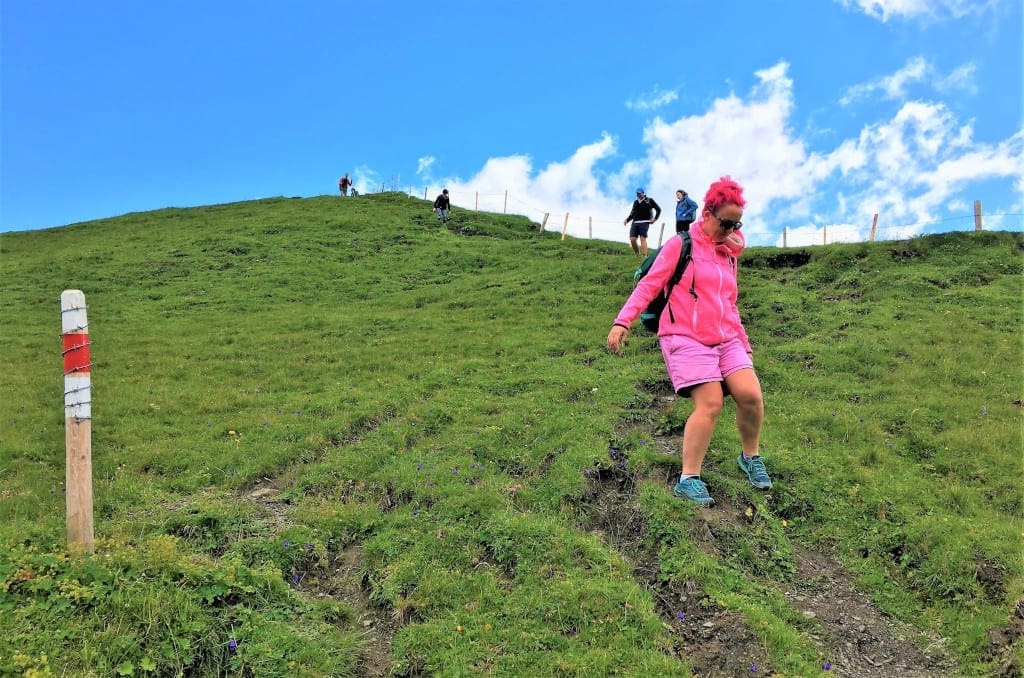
{"x": 77, "y": 362}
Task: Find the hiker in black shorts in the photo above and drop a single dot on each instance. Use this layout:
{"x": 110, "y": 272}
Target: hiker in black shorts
{"x": 644, "y": 211}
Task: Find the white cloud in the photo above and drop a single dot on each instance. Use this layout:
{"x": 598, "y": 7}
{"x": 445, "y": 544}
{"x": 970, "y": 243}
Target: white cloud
{"x": 910, "y": 169}
{"x": 883, "y": 10}
{"x": 424, "y": 164}
{"x": 961, "y": 78}
{"x": 917, "y": 70}
{"x": 573, "y": 186}
{"x": 652, "y": 100}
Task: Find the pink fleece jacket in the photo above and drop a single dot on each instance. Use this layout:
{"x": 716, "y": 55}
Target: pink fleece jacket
{"x": 711, "y": 318}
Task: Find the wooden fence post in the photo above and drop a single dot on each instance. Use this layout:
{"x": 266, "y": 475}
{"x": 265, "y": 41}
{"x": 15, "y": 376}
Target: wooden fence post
{"x": 784, "y": 229}
{"x": 874, "y": 226}
{"x": 476, "y": 201}
{"x": 565, "y": 225}
{"x": 824, "y": 235}
{"x": 425, "y": 189}
{"x": 662, "y": 234}
{"x": 590, "y": 227}
{"x": 77, "y": 419}
{"x": 543, "y": 223}
{"x": 977, "y": 215}
{"x": 504, "y": 210}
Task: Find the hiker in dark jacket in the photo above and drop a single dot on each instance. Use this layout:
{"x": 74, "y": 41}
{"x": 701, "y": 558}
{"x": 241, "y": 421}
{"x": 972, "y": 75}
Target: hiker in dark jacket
{"x": 442, "y": 205}
{"x": 644, "y": 211}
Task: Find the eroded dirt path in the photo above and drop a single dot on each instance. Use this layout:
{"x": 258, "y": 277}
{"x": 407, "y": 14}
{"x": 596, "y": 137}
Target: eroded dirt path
{"x": 850, "y": 630}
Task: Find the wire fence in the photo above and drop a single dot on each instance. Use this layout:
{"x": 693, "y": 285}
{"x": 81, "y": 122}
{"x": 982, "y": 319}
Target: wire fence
{"x": 602, "y": 227}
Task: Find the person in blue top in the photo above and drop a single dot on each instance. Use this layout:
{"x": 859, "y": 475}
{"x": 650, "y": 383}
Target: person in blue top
{"x": 686, "y": 211}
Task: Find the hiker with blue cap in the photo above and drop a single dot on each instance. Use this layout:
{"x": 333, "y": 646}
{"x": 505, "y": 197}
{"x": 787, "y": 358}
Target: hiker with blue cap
{"x": 644, "y": 211}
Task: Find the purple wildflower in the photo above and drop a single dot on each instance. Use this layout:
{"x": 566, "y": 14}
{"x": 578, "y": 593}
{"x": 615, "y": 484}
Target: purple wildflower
{"x": 455, "y": 469}
{"x": 419, "y": 467}
{"x": 232, "y": 644}
{"x": 827, "y": 666}
{"x": 309, "y": 547}
{"x": 681, "y": 616}
{"x": 586, "y": 471}
{"x": 287, "y": 543}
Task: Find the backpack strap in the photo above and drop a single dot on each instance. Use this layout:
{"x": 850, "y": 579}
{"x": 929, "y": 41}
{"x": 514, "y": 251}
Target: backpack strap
{"x": 677, "y": 274}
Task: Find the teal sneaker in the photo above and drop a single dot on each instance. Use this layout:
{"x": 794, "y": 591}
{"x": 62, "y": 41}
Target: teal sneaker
{"x": 695, "y": 490}
{"x": 755, "y": 470}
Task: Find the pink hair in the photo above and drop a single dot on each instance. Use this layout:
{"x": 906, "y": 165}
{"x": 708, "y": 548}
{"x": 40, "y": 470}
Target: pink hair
{"x": 725, "y": 191}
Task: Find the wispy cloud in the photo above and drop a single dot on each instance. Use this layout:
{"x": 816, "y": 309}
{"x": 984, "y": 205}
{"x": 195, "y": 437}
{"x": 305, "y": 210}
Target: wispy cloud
{"x": 653, "y": 100}
{"x": 961, "y": 78}
{"x": 917, "y": 70}
{"x": 424, "y": 164}
{"x": 883, "y": 10}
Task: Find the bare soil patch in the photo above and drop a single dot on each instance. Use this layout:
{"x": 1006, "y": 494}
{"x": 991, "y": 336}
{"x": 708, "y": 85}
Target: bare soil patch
{"x": 856, "y": 637}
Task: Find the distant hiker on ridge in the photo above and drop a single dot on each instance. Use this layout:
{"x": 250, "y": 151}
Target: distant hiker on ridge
{"x": 644, "y": 211}
{"x": 344, "y": 183}
{"x": 442, "y": 205}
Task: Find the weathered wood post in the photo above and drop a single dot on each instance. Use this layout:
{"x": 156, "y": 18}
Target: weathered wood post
{"x": 662, "y": 234}
{"x": 590, "y": 227}
{"x": 784, "y": 229}
{"x": 77, "y": 418}
{"x": 874, "y": 226}
{"x": 544, "y": 222}
{"x": 977, "y": 215}
{"x": 504, "y": 210}
{"x": 565, "y": 225}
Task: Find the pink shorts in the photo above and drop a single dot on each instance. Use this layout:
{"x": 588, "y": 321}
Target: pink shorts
{"x": 690, "y": 362}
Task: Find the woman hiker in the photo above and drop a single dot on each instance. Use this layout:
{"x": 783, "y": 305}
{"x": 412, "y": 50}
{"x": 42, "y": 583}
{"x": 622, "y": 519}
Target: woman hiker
{"x": 703, "y": 342}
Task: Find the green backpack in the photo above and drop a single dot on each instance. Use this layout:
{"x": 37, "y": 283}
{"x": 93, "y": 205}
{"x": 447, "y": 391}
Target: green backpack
{"x": 651, "y": 315}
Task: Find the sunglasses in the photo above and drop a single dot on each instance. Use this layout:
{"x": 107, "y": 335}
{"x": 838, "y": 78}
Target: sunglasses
{"x": 728, "y": 224}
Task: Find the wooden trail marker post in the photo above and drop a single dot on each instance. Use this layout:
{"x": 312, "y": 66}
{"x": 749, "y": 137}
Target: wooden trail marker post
{"x": 565, "y": 225}
{"x": 77, "y": 418}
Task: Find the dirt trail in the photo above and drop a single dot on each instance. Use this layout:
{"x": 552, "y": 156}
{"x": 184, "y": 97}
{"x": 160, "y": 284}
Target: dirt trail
{"x": 855, "y": 636}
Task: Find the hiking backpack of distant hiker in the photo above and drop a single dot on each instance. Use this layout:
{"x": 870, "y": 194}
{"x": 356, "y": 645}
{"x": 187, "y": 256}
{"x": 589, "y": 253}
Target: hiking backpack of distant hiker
{"x": 651, "y": 315}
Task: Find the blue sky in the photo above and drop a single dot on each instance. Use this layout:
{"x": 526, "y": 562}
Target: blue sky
{"x": 827, "y": 111}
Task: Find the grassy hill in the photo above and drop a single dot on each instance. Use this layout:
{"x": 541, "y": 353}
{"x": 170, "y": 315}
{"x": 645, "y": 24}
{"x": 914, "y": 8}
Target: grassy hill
{"x": 331, "y": 437}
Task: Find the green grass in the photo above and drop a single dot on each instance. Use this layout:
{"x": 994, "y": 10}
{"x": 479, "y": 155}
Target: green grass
{"x": 286, "y": 387}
